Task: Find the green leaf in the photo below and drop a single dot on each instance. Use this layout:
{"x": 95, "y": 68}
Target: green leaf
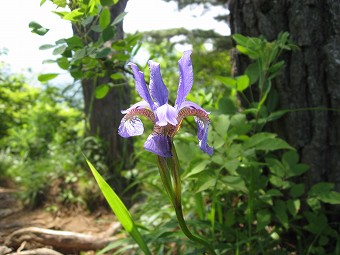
{"x": 229, "y": 81}
{"x": 37, "y": 28}
{"x": 117, "y": 76}
{"x": 263, "y": 218}
{"x": 105, "y": 18}
{"x": 63, "y": 63}
{"x": 42, "y": 2}
{"x": 221, "y": 124}
{"x": 281, "y": 213}
{"x": 198, "y": 168}
{"x": 266, "y": 141}
{"x": 293, "y": 206}
{"x": 47, "y": 76}
{"x": 60, "y": 3}
{"x": 46, "y": 46}
{"x": 102, "y": 90}
{"x": 102, "y": 53}
{"x": 297, "y": 190}
{"x": 74, "y": 42}
{"x": 108, "y": 2}
{"x": 205, "y": 180}
{"x": 119, "y": 209}
{"x": 331, "y": 197}
{"x": 108, "y": 33}
{"x": 119, "y": 18}
{"x": 74, "y": 15}
{"x": 59, "y": 50}
{"x": 242, "y": 82}
{"x": 253, "y": 72}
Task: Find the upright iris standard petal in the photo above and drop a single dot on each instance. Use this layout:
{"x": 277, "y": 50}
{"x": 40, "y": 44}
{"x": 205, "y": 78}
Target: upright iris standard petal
{"x": 166, "y": 114}
{"x": 141, "y": 85}
{"x": 186, "y": 78}
{"x": 157, "y": 88}
{"x": 159, "y": 144}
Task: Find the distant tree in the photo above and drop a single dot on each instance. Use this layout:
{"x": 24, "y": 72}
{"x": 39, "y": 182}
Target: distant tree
{"x": 310, "y": 80}
{"x": 96, "y": 55}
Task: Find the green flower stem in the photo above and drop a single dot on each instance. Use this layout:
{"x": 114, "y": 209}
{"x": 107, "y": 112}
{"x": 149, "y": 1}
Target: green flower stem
{"x": 173, "y": 188}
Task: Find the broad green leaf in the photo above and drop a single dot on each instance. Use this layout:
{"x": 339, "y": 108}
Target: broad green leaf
{"x": 198, "y": 168}
{"x": 281, "y": 213}
{"x": 229, "y": 81}
{"x": 47, "y": 76}
{"x": 263, "y": 218}
{"x": 293, "y": 206}
{"x": 234, "y": 183}
{"x": 37, "y": 28}
{"x": 59, "y": 50}
{"x": 206, "y": 180}
{"x": 60, "y": 3}
{"x": 46, "y": 46}
{"x": 242, "y": 82}
{"x": 317, "y": 222}
{"x": 266, "y": 141}
{"x": 331, "y": 197}
{"x": 102, "y": 53}
{"x": 74, "y": 42}
{"x": 221, "y": 124}
{"x": 42, "y": 2}
{"x": 276, "y": 167}
{"x": 117, "y": 76}
{"x": 105, "y": 18}
{"x": 253, "y": 72}
{"x": 119, "y": 18}
{"x": 63, "y": 63}
{"x": 102, "y": 90}
{"x": 108, "y": 33}
{"x": 119, "y": 209}
{"x": 297, "y": 190}
{"x": 74, "y": 15}
{"x": 320, "y": 187}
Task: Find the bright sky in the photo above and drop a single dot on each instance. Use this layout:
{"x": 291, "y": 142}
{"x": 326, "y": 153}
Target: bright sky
{"x": 23, "y": 46}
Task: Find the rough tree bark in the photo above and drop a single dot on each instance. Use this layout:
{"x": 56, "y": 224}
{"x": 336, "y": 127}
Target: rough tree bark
{"x": 104, "y": 114}
{"x": 311, "y": 77}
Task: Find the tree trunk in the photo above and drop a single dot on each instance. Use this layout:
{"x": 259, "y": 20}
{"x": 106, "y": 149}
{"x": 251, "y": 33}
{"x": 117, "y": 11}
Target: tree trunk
{"x": 104, "y": 114}
{"x": 311, "y": 76}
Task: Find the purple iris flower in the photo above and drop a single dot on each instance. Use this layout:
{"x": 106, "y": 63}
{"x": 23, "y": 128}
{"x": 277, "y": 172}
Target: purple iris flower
{"x": 166, "y": 118}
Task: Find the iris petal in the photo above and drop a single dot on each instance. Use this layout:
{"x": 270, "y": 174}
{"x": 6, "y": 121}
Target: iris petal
{"x": 141, "y": 85}
{"x": 202, "y": 135}
{"x": 157, "y": 88}
{"x": 159, "y": 144}
{"x": 186, "y": 78}
{"x": 141, "y": 104}
{"x": 166, "y": 114}
{"x": 130, "y": 126}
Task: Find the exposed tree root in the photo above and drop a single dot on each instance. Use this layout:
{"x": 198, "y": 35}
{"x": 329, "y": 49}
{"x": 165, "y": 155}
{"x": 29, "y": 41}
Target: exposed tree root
{"x": 63, "y": 241}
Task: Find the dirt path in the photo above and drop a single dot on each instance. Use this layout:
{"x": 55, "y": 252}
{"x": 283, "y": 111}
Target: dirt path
{"x": 13, "y": 217}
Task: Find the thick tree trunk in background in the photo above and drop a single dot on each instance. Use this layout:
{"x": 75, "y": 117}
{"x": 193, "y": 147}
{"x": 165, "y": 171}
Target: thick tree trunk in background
{"x": 104, "y": 114}
{"x": 311, "y": 77}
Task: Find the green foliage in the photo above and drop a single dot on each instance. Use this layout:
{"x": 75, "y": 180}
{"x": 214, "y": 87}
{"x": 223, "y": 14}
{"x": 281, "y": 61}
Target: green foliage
{"x": 250, "y": 196}
{"x": 94, "y": 50}
{"x": 119, "y": 209}
{"x": 39, "y": 140}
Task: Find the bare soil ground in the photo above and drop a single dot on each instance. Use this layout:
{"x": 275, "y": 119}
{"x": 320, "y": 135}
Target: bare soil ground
{"x": 13, "y": 216}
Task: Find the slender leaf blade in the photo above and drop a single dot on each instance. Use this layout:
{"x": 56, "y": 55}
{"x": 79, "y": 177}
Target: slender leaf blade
{"x": 119, "y": 209}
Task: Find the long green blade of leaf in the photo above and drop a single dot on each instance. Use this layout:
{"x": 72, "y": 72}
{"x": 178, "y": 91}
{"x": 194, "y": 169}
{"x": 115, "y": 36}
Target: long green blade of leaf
{"x": 119, "y": 209}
